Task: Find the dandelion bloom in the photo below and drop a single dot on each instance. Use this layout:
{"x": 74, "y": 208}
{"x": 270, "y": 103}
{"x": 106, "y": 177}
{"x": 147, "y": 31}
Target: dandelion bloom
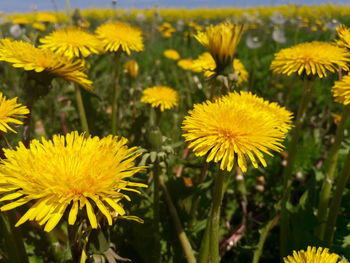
{"x": 119, "y": 35}
{"x": 204, "y": 63}
{"x": 171, "y": 54}
{"x": 26, "y": 56}
{"x": 221, "y": 41}
{"x": 313, "y": 58}
{"x": 236, "y": 126}
{"x": 240, "y": 72}
{"x": 341, "y": 90}
{"x": 39, "y": 26}
{"x": 314, "y": 255}
{"x": 166, "y": 29}
{"x": 344, "y": 36}
{"x": 82, "y": 172}
{"x": 132, "y": 68}
{"x": 46, "y": 17}
{"x": 71, "y": 42}
{"x": 185, "y": 63}
{"x": 161, "y": 96}
{"x": 10, "y": 110}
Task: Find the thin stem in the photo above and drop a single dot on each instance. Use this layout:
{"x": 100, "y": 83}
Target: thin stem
{"x": 81, "y": 110}
{"x": 156, "y": 219}
{"x": 185, "y": 244}
{"x": 218, "y": 193}
{"x": 205, "y": 246}
{"x": 287, "y": 176}
{"x": 330, "y": 173}
{"x": 336, "y": 201}
{"x": 262, "y": 239}
{"x": 115, "y": 92}
{"x": 14, "y": 241}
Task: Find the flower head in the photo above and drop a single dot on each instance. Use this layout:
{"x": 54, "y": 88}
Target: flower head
{"x": 46, "y": 17}
{"x": 26, "y": 56}
{"x": 204, "y": 63}
{"x": 161, "y": 96}
{"x": 341, "y": 90}
{"x": 313, "y": 58}
{"x": 115, "y": 35}
{"x": 344, "y": 36}
{"x": 10, "y": 111}
{"x": 185, "y": 63}
{"x": 236, "y": 126}
{"x": 71, "y": 42}
{"x": 83, "y": 173}
{"x": 171, "y": 54}
{"x": 132, "y": 68}
{"x": 221, "y": 41}
{"x": 166, "y": 29}
{"x": 313, "y": 255}
{"x": 240, "y": 72}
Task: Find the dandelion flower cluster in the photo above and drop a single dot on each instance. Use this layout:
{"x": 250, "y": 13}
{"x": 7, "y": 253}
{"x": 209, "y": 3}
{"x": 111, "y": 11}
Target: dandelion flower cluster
{"x": 236, "y": 126}
{"x": 221, "y": 41}
{"x": 71, "y": 42}
{"x": 341, "y": 90}
{"x": 161, "y": 97}
{"x": 117, "y": 35}
{"x": 314, "y": 255}
{"x": 10, "y": 111}
{"x": 171, "y": 54}
{"x": 84, "y": 172}
{"x": 26, "y": 56}
{"x": 313, "y": 58}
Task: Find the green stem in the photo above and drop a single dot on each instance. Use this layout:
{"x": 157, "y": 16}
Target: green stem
{"x": 81, "y": 110}
{"x": 336, "y": 202}
{"x": 262, "y": 239}
{"x": 287, "y": 175}
{"x": 330, "y": 173}
{"x": 115, "y": 92}
{"x": 14, "y": 241}
{"x": 218, "y": 193}
{"x": 186, "y": 246}
{"x": 156, "y": 220}
{"x": 205, "y": 246}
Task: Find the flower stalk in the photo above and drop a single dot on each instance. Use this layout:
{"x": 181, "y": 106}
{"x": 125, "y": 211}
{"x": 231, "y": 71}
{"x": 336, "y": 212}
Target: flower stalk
{"x": 81, "y": 110}
{"x": 115, "y": 91}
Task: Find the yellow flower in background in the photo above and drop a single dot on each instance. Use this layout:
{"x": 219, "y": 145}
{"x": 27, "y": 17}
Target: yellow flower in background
{"x": 344, "y": 36}
{"x": 236, "y": 126}
{"x": 171, "y": 54}
{"x": 240, "y": 72}
{"x": 204, "y": 63}
{"x": 341, "y": 90}
{"x": 336, "y": 118}
{"x": 84, "y": 172}
{"x": 161, "y": 97}
{"x": 119, "y": 35}
{"x": 185, "y": 63}
{"x": 313, "y": 255}
{"x": 46, "y": 17}
{"x": 132, "y": 68}
{"x": 166, "y": 29}
{"x": 194, "y": 25}
{"x": 39, "y": 26}
{"x": 221, "y": 41}
{"x": 313, "y": 58}
{"x": 26, "y": 56}
{"x": 71, "y": 42}
{"x": 20, "y": 20}
{"x": 10, "y": 111}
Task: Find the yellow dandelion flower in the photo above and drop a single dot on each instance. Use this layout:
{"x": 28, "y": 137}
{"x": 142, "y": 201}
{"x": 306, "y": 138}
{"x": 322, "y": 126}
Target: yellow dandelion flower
{"x": 161, "y": 97}
{"x": 241, "y": 73}
{"x": 341, "y": 90}
{"x": 171, "y": 54}
{"x": 336, "y": 118}
{"x": 313, "y": 58}
{"x": 46, "y": 17}
{"x": 185, "y": 64}
{"x": 115, "y": 35}
{"x": 10, "y": 111}
{"x": 344, "y": 35}
{"x": 313, "y": 254}
{"x": 26, "y": 56}
{"x": 71, "y": 42}
{"x": 204, "y": 63}
{"x": 39, "y": 26}
{"x": 132, "y": 68}
{"x": 83, "y": 172}
{"x": 166, "y": 29}
{"x": 221, "y": 41}
{"x": 236, "y": 126}
{"x": 20, "y": 20}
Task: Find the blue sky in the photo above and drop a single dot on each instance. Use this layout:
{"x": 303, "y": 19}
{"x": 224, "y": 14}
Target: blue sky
{"x": 26, "y": 5}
